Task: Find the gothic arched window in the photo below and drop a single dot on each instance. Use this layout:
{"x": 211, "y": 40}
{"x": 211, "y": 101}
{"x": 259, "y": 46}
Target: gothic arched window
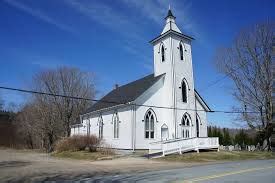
{"x": 150, "y": 120}
{"x": 185, "y": 125}
{"x": 162, "y": 53}
{"x": 116, "y": 125}
{"x": 198, "y": 122}
{"x": 181, "y": 52}
{"x": 184, "y": 91}
{"x": 100, "y": 127}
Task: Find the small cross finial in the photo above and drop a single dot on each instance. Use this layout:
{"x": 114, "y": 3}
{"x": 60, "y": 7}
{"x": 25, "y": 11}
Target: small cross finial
{"x": 169, "y": 7}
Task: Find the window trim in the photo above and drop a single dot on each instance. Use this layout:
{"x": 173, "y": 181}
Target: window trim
{"x": 115, "y": 125}
{"x": 198, "y": 124}
{"x": 162, "y": 52}
{"x": 181, "y": 52}
{"x": 185, "y": 84}
{"x": 185, "y": 126}
{"x": 100, "y": 127}
{"x": 150, "y": 130}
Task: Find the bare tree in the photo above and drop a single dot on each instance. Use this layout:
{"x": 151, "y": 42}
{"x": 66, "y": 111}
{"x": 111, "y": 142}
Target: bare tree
{"x": 1, "y": 104}
{"x": 248, "y": 64}
{"x": 27, "y": 127}
{"x": 48, "y": 118}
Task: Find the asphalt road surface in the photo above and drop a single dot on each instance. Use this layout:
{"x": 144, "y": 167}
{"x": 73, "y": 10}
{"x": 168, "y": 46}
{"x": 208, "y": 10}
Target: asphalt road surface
{"x": 262, "y": 171}
{"x": 29, "y": 166}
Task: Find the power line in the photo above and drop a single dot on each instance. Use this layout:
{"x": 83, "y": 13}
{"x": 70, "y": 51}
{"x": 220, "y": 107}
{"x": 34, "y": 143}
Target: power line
{"x": 113, "y": 102}
{"x": 223, "y": 77}
{"x": 214, "y": 83}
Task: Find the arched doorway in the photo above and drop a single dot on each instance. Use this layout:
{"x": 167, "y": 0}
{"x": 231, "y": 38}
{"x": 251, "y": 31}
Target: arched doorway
{"x": 198, "y": 126}
{"x": 164, "y": 132}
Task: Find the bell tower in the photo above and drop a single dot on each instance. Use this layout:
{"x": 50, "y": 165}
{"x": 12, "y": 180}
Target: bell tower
{"x": 172, "y": 57}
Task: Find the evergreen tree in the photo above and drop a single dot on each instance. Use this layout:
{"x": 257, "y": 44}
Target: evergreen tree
{"x": 217, "y": 133}
{"x": 1, "y": 104}
{"x": 220, "y": 135}
{"x": 226, "y": 137}
{"x": 210, "y": 131}
{"x": 242, "y": 138}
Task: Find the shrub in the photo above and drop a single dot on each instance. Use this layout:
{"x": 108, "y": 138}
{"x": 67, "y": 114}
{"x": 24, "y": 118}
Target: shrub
{"x": 92, "y": 142}
{"x": 107, "y": 149}
{"x": 78, "y": 143}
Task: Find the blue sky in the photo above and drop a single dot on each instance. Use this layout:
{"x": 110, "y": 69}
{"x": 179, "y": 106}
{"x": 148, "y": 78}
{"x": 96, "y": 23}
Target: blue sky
{"x": 110, "y": 38}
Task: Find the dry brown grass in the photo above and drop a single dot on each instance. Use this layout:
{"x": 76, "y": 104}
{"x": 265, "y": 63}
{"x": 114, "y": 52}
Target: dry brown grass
{"x": 218, "y": 156}
{"x": 78, "y": 143}
{"x": 82, "y": 155}
{"x": 84, "y": 148}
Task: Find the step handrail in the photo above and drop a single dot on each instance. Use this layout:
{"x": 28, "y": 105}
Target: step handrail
{"x": 183, "y": 144}
{"x": 177, "y": 139}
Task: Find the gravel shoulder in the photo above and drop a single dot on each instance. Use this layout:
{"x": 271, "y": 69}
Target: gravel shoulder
{"x": 29, "y": 166}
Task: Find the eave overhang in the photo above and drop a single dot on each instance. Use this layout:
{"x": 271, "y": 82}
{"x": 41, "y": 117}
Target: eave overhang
{"x": 200, "y": 99}
{"x": 169, "y": 33}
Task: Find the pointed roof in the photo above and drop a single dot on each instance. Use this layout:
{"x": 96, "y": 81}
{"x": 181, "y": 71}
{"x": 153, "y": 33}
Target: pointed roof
{"x": 170, "y": 14}
{"x": 170, "y": 28}
{"x": 170, "y": 23}
{"x": 203, "y": 103}
{"x": 126, "y": 93}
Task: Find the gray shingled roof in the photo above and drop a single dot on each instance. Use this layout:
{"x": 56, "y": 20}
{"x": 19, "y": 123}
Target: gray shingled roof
{"x": 126, "y": 93}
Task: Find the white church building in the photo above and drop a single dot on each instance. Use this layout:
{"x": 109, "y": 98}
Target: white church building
{"x": 162, "y": 108}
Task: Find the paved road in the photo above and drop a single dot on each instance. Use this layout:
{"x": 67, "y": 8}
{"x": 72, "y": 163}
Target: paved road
{"x": 262, "y": 171}
{"x": 28, "y": 166}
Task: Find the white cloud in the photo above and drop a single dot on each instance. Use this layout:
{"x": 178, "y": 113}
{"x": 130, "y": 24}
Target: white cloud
{"x": 114, "y": 20}
{"x": 107, "y": 16}
{"x": 152, "y": 10}
{"x": 38, "y": 14}
{"x": 118, "y": 21}
{"x": 156, "y": 11}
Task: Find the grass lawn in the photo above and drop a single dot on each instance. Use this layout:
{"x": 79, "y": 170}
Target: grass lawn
{"x": 218, "y": 156}
{"x": 82, "y": 155}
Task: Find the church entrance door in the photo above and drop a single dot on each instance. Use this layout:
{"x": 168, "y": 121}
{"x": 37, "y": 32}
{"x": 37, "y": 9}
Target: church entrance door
{"x": 164, "y": 132}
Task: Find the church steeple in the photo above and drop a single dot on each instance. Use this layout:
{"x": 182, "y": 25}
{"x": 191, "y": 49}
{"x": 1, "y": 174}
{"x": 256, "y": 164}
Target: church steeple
{"x": 170, "y": 14}
{"x": 170, "y": 22}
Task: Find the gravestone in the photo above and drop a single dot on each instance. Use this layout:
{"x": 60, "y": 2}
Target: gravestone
{"x": 258, "y": 147}
{"x": 230, "y": 148}
{"x": 265, "y": 147}
{"x": 237, "y": 147}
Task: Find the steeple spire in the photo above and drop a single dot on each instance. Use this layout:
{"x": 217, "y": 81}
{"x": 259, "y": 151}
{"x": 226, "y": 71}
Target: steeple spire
{"x": 170, "y": 22}
{"x": 170, "y": 14}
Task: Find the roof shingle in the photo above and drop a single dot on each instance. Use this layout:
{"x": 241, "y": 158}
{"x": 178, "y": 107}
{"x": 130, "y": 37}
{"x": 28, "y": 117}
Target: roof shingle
{"x": 126, "y": 93}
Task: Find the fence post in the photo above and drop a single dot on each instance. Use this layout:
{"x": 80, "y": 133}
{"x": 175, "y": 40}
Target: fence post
{"x": 197, "y": 144}
{"x": 198, "y": 151}
{"x": 179, "y": 148}
{"x": 163, "y": 152}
